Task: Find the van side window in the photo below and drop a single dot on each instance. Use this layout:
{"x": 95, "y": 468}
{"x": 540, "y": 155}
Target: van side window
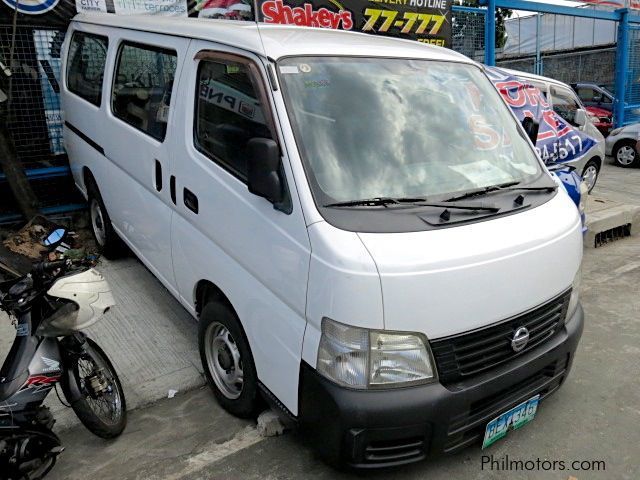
{"x": 565, "y": 104}
{"x": 228, "y": 114}
{"x": 541, "y": 87}
{"x": 85, "y": 70}
{"x": 142, "y": 87}
{"x": 588, "y": 94}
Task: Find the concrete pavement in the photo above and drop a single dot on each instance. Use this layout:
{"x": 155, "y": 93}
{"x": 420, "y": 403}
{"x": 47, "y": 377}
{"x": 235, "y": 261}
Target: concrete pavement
{"x": 150, "y": 338}
{"x": 615, "y": 202}
{"x": 619, "y": 184}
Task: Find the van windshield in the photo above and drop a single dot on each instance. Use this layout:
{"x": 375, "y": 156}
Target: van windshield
{"x": 381, "y": 127}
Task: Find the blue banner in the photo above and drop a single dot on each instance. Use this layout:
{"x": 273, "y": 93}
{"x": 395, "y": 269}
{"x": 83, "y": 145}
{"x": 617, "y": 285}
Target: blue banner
{"x": 558, "y": 141}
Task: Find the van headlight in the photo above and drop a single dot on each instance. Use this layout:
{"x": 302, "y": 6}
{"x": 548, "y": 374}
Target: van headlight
{"x": 362, "y": 358}
{"x": 575, "y": 294}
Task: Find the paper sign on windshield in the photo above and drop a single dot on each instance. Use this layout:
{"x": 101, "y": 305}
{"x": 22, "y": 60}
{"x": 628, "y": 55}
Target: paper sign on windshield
{"x": 558, "y": 141}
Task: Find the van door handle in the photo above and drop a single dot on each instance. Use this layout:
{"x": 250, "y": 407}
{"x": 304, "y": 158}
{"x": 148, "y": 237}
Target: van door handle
{"x": 190, "y": 200}
{"x": 172, "y": 188}
{"x": 158, "y": 176}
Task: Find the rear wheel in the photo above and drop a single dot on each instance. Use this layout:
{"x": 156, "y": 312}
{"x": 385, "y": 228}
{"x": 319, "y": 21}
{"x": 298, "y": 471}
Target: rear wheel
{"x": 625, "y": 154}
{"x": 227, "y": 360}
{"x": 107, "y": 240}
{"x": 100, "y": 405}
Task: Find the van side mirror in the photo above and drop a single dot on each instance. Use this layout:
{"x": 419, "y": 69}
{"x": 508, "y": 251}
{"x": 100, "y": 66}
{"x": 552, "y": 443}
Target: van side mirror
{"x": 263, "y": 169}
{"x": 531, "y": 128}
{"x": 580, "y": 118}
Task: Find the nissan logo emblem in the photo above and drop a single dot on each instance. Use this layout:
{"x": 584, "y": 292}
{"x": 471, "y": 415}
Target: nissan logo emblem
{"x": 520, "y": 339}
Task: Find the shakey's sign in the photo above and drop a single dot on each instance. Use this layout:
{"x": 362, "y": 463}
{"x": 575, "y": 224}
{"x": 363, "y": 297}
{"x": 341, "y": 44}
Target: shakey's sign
{"x": 427, "y": 21}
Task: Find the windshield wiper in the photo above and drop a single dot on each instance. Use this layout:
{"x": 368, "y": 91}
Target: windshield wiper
{"x": 507, "y": 187}
{"x": 375, "y": 202}
{"x": 416, "y": 202}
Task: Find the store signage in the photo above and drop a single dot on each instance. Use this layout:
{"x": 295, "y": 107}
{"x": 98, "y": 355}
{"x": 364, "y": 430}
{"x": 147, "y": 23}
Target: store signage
{"x": 31, "y": 7}
{"x": 134, "y": 7}
{"x": 427, "y": 21}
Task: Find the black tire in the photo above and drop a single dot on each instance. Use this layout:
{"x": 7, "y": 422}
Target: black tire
{"x": 86, "y": 405}
{"x": 214, "y": 319}
{"x": 622, "y": 150}
{"x": 107, "y": 240}
{"x": 591, "y": 166}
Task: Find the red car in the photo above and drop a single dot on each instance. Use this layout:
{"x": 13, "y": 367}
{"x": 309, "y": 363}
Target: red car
{"x": 601, "y": 118}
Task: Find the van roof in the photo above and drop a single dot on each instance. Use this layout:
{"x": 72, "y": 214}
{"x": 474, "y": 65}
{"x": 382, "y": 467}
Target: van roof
{"x": 539, "y": 78}
{"x": 275, "y": 41}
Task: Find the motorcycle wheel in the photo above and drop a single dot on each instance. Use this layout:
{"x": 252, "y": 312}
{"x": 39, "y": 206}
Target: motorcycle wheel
{"x": 101, "y": 407}
{"x": 28, "y": 455}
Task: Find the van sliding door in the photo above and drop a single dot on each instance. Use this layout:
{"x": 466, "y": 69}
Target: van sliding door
{"x": 142, "y": 103}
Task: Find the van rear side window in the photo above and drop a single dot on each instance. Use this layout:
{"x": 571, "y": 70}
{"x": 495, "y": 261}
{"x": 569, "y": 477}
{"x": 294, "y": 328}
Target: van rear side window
{"x": 85, "y": 71}
{"x": 228, "y": 114}
{"x": 142, "y": 87}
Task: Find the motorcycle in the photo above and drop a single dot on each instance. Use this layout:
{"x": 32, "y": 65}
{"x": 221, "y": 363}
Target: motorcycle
{"x": 49, "y": 308}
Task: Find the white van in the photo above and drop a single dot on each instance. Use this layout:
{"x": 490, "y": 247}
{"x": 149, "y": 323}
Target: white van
{"x": 362, "y": 228}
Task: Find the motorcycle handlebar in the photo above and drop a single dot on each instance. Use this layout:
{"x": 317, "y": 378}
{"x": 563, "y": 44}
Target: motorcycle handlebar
{"x": 45, "y": 267}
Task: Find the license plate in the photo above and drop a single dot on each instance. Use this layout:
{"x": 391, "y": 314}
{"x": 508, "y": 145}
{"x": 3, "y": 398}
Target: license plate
{"x": 515, "y": 418}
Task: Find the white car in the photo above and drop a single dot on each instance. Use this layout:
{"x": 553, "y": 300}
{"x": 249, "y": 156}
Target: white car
{"x": 360, "y": 225}
{"x": 622, "y": 145}
{"x": 565, "y": 102}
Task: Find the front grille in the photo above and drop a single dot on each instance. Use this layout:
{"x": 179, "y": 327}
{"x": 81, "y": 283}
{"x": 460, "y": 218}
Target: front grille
{"x": 391, "y": 451}
{"x": 462, "y": 356}
{"x": 468, "y": 427}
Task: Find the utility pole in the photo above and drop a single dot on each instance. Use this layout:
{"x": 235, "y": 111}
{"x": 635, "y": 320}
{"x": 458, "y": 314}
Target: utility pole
{"x": 17, "y": 179}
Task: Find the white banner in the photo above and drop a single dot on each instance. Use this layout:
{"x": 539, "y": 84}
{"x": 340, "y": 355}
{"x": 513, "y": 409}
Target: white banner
{"x": 171, "y": 8}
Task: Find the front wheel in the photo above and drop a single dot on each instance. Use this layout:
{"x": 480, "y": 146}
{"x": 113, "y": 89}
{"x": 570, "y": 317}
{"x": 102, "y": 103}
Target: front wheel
{"x": 590, "y": 174}
{"x": 625, "y": 154}
{"x": 96, "y": 396}
{"x": 227, "y": 360}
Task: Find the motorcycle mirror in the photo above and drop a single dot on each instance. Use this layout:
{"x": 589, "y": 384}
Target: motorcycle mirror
{"x": 55, "y": 237}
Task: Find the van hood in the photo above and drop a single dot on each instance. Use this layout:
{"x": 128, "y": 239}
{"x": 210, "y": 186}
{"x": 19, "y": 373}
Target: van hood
{"x": 457, "y": 279}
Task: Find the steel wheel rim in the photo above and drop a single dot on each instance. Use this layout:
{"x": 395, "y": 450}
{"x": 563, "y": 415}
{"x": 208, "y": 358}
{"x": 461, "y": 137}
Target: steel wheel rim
{"x": 589, "y": 176}
{"x": 97, "y": 223}
{"x": 626, "y": 155}
{"x": 224, "y": 360}
{"x": 108, "y": 405}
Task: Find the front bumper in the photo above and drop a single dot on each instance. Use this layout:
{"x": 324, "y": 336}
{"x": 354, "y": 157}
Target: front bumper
{"x": 384, "y": 428}
{"x": 608, "y": 145}
{"x": 611, "y": 141}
